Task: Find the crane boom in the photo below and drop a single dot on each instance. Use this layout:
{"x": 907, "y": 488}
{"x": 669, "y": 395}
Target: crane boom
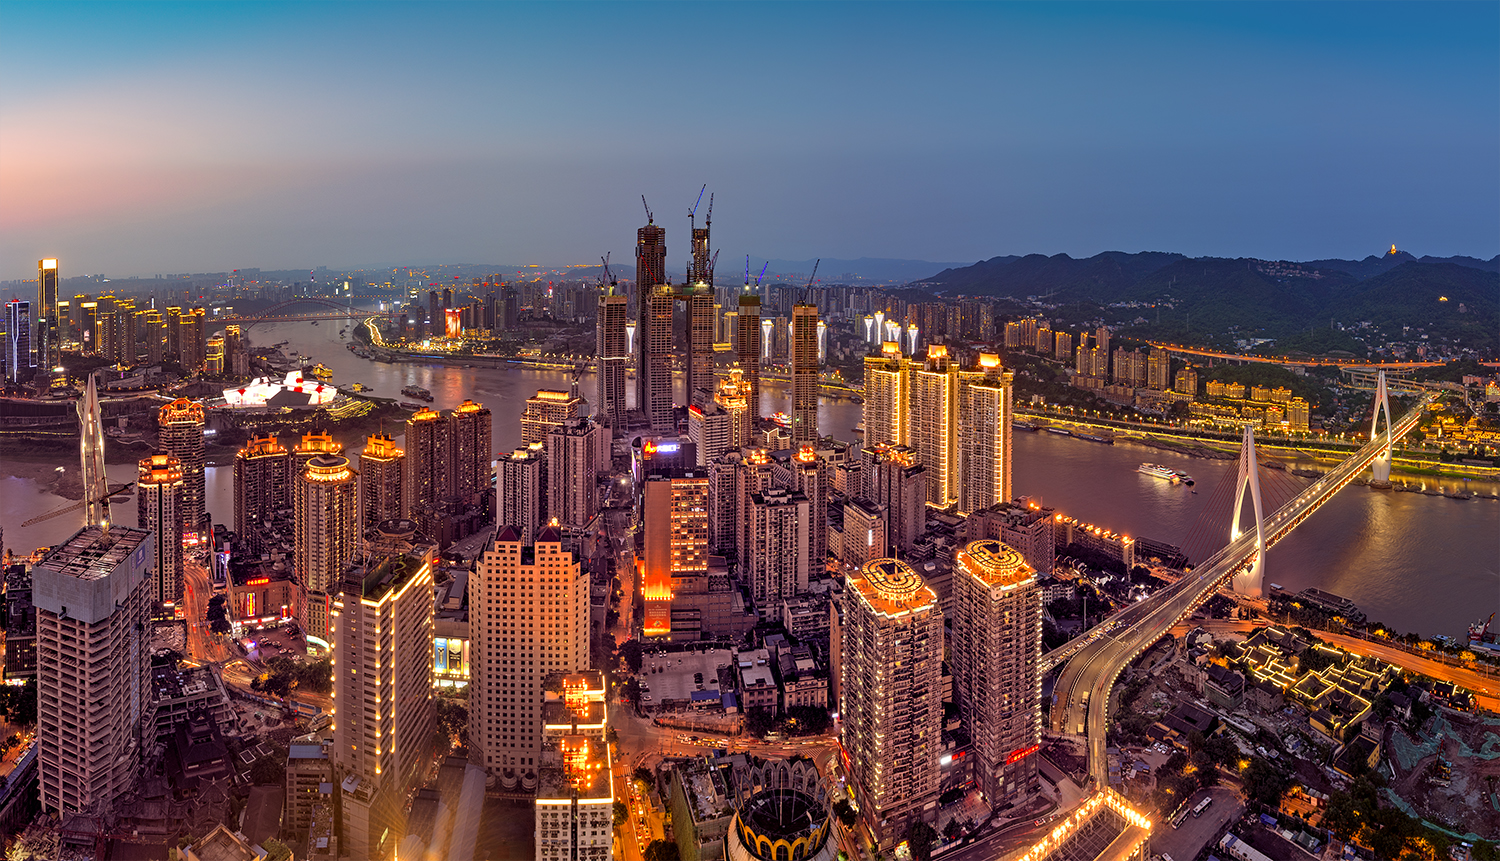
{"x": 77, "y": 505}
{"x": 649, "y": 219}
{"x": 808, "y": 289}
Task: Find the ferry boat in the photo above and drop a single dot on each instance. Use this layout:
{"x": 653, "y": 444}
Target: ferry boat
{"x": 1023, "y": 426}
{"x": 1167, "y": 473}
{"x": 1106, "y": 440}
{"x": 417, "y": 392}
{"x": 1062, "y": 431}
{"x": 322, "y": 372}
{"x": 782, "y": 419}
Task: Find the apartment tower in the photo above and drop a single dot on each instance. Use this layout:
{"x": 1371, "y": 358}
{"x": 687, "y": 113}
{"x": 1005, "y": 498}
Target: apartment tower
{"x": 997, "y": 646}
{"x": 325, "y": 533}
{"x": 521, "y": 489}
{"x": 262, "y": 473}
{"x": 890, "y": 696}
{"x": 159, "y": 493}
{"x": 653, "y": 368}
{"x": 985, "y": 429}
{"x": 934, "y": 424}
{"x": 577, "y": 452}
{"x": 547, "y": 409}
{"x": 613, "y": 358}
{"x": 887, "y": 396}
{"x": 382, "y": 482}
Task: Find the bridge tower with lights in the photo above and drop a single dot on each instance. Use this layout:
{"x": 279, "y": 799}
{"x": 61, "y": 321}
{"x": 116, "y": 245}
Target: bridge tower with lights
{"x": 1247, "y": 581}
{"x": 1380, "y": 468}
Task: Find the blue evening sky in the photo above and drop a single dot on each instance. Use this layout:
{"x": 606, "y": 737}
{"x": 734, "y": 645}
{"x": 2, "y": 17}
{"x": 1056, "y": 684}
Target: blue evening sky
{"x": 163, "y": 137}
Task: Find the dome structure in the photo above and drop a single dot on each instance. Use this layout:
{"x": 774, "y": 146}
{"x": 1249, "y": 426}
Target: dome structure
{"x": 781, "y": 814}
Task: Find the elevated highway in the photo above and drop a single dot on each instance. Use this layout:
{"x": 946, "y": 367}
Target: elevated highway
{"x": 1080, "y": 702}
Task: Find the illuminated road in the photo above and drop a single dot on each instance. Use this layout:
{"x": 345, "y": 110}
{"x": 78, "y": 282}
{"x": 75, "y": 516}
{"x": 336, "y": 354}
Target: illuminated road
{"x": 1081, "y": 696}
{"x": 197, "y": 589}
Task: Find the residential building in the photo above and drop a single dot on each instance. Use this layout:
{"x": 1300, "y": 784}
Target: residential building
{"x": 613, "y": 358}
{"x": 326, "y": 534}
{"x": 934, "y": 424}
{"x": 985, "y": 427}
{"x": 546, "y": 410}
{"x": 262, "y": 473}
{"x": 93, "y": 606}
{"x": 382, "y": 482}
{"x": 748, "y": 351}
{"x": 804, "y": 373}
{"x": 159, "y": 491}
{"x": 179, "y": 432}
{"x": 997, "y": 646}
{"x": 577, "y": 453}
{"x": 887, "y": 396}
{"x": 894, "y": 479}
{"x": 309, "y": 783}
{"x": 777, "y": 555}
{"x": 521, "y": 489}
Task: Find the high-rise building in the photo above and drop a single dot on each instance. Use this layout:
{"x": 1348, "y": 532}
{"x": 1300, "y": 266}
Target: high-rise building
{"x": 312, "y": 444}
{"x": 612, "y": 358}
{"x": 213, "y": 356}
{"x": 997, "y": 646}
{"x": 699, "y": 299}
{"x": 1159, "y": 370}
{"x": 887, "y": 396}
{"x": 1187, "y": 382}
{"x": 806, "y": 473}
{"x": 862, "y": 533}
{"x": 934, "y": 424}
{"x": 748, "y": 349}
{"x": 653, "y": 369}
{"x": 191, "y": 340}
{"x": 382, "y": 482}
{"x": 46, "y": 312}
{"x": 159, "y": 492}
{"x": 236, "y": 354}
{"x": 385, "y": 716}
{"x": 528, "y": 619}
{"x": 756, "y": 474}
{"x": 895, "y": 480}
{"x": 984, "y": 434}
{"x": 325, "y": 533}
{"x": 93, "y": 611}
{"x": 19, "y": 359}
{"x": 577, "y": 452}
{"x": 262, "y": 486}
{"x": 723, "y": 424}
{"x": 179, "y": 431}
{"x": 428, "y": 467}
{"x": 154, "y": 337}
{"x": 575, "y": 799}
{"x": 778, "y": 528}
{"x": 804, "y": 372}
{"x": 547, "y": 409}
{"x": 469, "y": 440}
{"x": 890, "y": 695}
{"x": 674, "y": 520}
{"x": 521, "y": 489}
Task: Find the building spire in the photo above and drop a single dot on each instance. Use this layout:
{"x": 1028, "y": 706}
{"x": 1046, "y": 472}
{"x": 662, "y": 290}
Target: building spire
{"x": 95, "y": 487}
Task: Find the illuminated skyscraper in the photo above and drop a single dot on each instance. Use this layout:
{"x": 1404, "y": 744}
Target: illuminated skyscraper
{"x": 997, "y": 645}
{"x": 159, "y": 492}
{"x": 191, "y": 340}
{"x": 934, "y": 422}
{"x": 382, "y": 482}
{"x": 779, "y": 527}
{"x": 1159, "y": 370}
{"x": 577, "y": 452}
{"x": 674, "y": 519}
{"x": 804, "y": 373}
{"x": 890, "y": 692}
{"x": 154, "y": 336}
{"x": 547, "y": 409}
{"x": 887, "y": 396}
{"x": 984, "y": 435}
{"x": 312, "y": 444}
{"x": 213, "y": 356}
{"x": 325, "y": 533}
{"x": 428, "y": 468}
{"x": 612, "y": 357}
{"x": 721, "y": 425}
{"x": 894, "y": 479}
{"x": 469, "y": 438}
{"x": 521, "y": 489}
{"x": 93, "y": 618}
{"x": 179, "y": 431}
{"x": 262, "y": 476}
{"x": 385, "y": 716}
{"x": 528, "y": 619}
{"x": 19, "y": 359}
{"x": 804, "y": 472}
{"x": 46, "y": 313}
{"x": 700, "y": 342}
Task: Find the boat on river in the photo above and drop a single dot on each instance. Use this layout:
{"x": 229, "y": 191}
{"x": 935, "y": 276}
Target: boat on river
{"x": 1165, "y": 472}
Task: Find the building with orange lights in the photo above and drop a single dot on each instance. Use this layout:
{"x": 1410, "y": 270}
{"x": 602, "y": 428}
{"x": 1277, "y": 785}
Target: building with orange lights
{"x": 894, "y": 478}
{"x": 577, "y": 453}
{"x": 674, "y": 524}
{"x": 179, "y": 432}
{"x": 384, "y": 715}
{"x": 159, "y": 491}
{"x": 312, "y": 444}
{"x": 382, "y": 482}
{"x": 997, "y": 645}
{"x": 528, "y": 619}
{"x": 890, "y": 696}
{"x": 326, "y": 534}
{"x": 804, "y": 372}
{"x": 984, "y": 435}
{"x": 546, "y": 410}
{"x": 887, "y": 396}
{"x": 934, "y": 424}
{"x": 262, "y": 475}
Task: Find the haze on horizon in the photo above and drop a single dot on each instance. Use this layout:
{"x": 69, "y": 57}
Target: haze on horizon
{"x": 150, "y": 138}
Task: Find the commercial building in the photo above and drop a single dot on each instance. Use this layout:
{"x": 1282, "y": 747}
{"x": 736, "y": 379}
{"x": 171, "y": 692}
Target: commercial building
{"x": 674, "y": 523}
{"x": 46, "y": 312}
{"x": 382, "y": 482}
{"x": 934, "y": 424}
{"x": 326, "y": 534}
{"x": 997, "y": 645}
{"x": 384, "y": 713}
{"x": 262, "y": 473}
{"x": 528, "y": 619}
{"x": 890, "y": 696}
{"x": 983, "y": 440}
{"x": 93, "y": 607}
{"x": 548, "y": 409}
{"x": 804, "y": 373}
{"x": 575, "y": 798}
{"x": 781, "y": 811}
{"x": 19, "y": 359}
{"x": 159, "y": 492}
{"x": 577, "y": 453}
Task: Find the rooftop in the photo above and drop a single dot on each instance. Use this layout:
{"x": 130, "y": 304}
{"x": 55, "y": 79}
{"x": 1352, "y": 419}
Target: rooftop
{"x": 892, "y": 588}
{"x": 383, "y": 575}
{"x": 93, "y": 553}
{"x": 996, "y": 564}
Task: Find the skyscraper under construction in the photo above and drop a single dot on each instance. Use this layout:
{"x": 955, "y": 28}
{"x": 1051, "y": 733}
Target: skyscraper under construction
{"x": 804, "y": 372}
{"x": 653, "y": 369}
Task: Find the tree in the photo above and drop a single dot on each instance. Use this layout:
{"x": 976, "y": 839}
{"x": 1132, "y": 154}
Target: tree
{"x": 810, "y": 720}
{"x": 267, "y": 771}
{"x": 954, "y": 830}
{"x": 453, "y": 721}
{"x": 920, "y": 838}
{"x": 1265, "y": 782}
{"x": 661, "y": 850}
{"x": 845, "y": 812}
{"x": 630, "y": 652}
{"x": 622, "y": 811}
{"x": 759, "y": 721}
{"x": 276, "y": 850}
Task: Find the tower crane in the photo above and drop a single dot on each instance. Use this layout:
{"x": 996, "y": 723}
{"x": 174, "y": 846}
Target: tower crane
{"x": 693, "y": 213}
{"x": 806, "y": 291}
{"x": 649, "y": 219}
{"x": 608, "y": 277}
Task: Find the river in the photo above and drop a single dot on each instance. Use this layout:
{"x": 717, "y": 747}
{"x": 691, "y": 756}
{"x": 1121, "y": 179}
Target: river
{"x": 1419, "y": 563}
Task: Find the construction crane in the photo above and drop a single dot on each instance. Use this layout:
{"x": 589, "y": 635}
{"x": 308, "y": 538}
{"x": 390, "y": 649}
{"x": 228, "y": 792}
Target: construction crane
{"x": 77, "y": 505}
{"x": 712, "y": 262}
{"x": 693, "y": 213}
{"x": 649, "y": 219}
{"x": 807, "y": 291}
{"x": 608, "y": 277}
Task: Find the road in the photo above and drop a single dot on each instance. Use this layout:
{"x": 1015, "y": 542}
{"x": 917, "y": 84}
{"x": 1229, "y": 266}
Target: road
{"x": 1081, "y": 696}
{"x": 197, "y": 589}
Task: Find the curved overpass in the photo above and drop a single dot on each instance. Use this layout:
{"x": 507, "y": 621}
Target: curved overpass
{"x": 1080, "y": 700}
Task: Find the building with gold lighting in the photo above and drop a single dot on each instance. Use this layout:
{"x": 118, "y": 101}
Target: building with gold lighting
{"x": 887, "y": 396}
{"x": 384, "y": 714}
{"x": 934, "y": 424}
{"x": 674, "y": 525}
{"x": 179, "y": 432}
{"x": 984, "y": 435}
{"x": 325, "y": 533}
{"x": 546, "y": 410}
{"x": 574, "y": 807}
{"x": 890, "y": 696}
{"x": 159, "y": 492}
{"x": 781, "y": 810}
{"x": 262, "y": 473}
{"x": 997, "y": 645}
{"x": 382, "y": 484}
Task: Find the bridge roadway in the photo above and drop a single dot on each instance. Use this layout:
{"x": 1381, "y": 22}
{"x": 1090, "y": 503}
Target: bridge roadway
{"x": 1080, "y": 701}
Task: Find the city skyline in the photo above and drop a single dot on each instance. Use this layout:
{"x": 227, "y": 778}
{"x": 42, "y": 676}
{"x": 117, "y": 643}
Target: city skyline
{"x": 1309, "y": 131}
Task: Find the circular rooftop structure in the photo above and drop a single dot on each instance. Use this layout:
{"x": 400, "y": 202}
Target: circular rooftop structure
{"x": 995, "y": 562}
{"x": 892, "y": 579}
{"x": 782, "y": 814}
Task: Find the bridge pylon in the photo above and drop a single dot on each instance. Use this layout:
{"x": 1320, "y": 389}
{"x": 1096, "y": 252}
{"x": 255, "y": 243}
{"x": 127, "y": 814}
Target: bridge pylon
{"x": 1380, "y": 467}
{"x": 1248, "y": 581}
